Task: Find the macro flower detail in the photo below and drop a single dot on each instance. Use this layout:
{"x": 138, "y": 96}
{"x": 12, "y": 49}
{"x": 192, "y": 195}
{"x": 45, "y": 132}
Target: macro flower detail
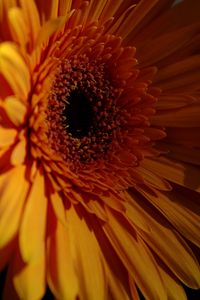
{"x": 99, "y": 149}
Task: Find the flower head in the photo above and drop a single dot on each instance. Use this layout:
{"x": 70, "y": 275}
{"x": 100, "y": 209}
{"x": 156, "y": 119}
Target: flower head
{"x": 99, "y": 148}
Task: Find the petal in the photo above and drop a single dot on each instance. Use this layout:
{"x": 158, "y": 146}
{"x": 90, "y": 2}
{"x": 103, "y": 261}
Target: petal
{"x": 13, "y": 190}
{"x": 58, "y": 207}
{"x": 184, "y": 117}
{"x": 18, "y": 26}
{"x": 86, "y": 257}
{"x": 12, "y": 63}
{"x": 15, "y": 110}
{"x": 166, "y": 242}
{"x": 138, "y": 15}
{"x": 54, "y": 8}
{"x": 161, "y": 47}
{"x": 174, "y": 171}
{"x": 32, "y": 18}
{"x": 7, "y": 136}
{"x": 138, "y": 260}
{"x": 174, "y": 290}
{"x": 184, "y": 154}
{"x": 48, "y": 29}
{"x": 115, "y": 272}
{"x": 29, "y": 279}
{"x": 34, "y": 220}
{"x": 154, "y": 180}
{"x": 61, "y": 275}
{"x": 185, "y": 219}
{"x": 19, "y": 153}
{"x": 186, "y": 65}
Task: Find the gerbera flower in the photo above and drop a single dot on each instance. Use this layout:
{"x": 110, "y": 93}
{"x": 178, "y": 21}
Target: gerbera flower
{"x": 99, "y": 148}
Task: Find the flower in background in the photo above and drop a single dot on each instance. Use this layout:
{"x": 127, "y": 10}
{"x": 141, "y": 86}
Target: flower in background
{"x": 99, "y": 148}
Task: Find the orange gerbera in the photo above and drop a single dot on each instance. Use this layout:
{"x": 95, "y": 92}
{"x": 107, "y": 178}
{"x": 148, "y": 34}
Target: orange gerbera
{"x": 99, "y": 148}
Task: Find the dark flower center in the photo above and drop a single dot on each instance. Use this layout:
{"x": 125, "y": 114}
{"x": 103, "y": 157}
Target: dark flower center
{"x": 79, "y": 114}
{"x": 82, "y": 114}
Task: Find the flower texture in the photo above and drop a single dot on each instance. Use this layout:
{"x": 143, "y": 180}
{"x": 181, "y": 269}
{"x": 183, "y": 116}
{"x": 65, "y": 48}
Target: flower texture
{"x": 99, "y": 148}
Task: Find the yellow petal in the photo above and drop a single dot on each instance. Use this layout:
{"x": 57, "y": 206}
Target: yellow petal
{"x": 13, "y": 189}
{"x": 58, "y": 207}
{"x": 15, "y": 110}
{"x": 49, "y": 28}
{"x": 61, "y": 274}
{"x": 86, "y": 257}
{"x": 34, "y": 220}
{"x": 18, "y": 26}
{"x": 174, "y": 289}
{"x": 32, "y": 18}
{"x": 29, "y": 280}
{"x": 7, "y": 136}
{"x": 19, "y": 153}
{"x": 14, "y": 70}
{"x": 136, "y": 257}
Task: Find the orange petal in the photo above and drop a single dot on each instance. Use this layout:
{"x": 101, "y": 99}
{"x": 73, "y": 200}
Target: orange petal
{"x": 185, "y": 154}
{"x": 29, "y": 279}
{"x": 174, "y": 289}
{"x": 184, "y": 117}
{"x": 18, "y": 26}
{"x": 7, "y": 136}
{"x": 48, "y": 29}
{"x": 137, "y": 261}
{"x": 34, "y": 220}
{"x": 166, "y": 242}
{"x": 15, "y": 110}
{"x": 135, "y": 17}
{"x": 160, "y": 47}
{"x": 58, "y": 207}
{"x": 12, "y": 63}
{"x": 87, "y": 258}
{"x": 185, "y": 219}
{"x": 13, "y": 189}
{"x": 174, "y": 171}
{"x": 19, "y": 153}
{"x": 61, "y": 275}
{"x": 154, "y": 180}
{"x": 32, "y": 18}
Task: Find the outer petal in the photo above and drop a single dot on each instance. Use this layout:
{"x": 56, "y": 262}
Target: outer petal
{"x": 86, "y": 257}
{"x": 61, "y": 274}
{"x": 15, "y": 110}
{"x": 7, "y": 136}
{"x": 32, "y": 18}
{"x": 34, "y": 221}
{"x": 15, "y": 71}
{"x": 180, "y": 173}
{"x": 29, "y": 279}
{"x": 166, "y": 242}
{"x": 18, "y": 26}
{"x": 13, "y": 189}
{"x": 174, "y": 290}
{"x": 138, "y": 260}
